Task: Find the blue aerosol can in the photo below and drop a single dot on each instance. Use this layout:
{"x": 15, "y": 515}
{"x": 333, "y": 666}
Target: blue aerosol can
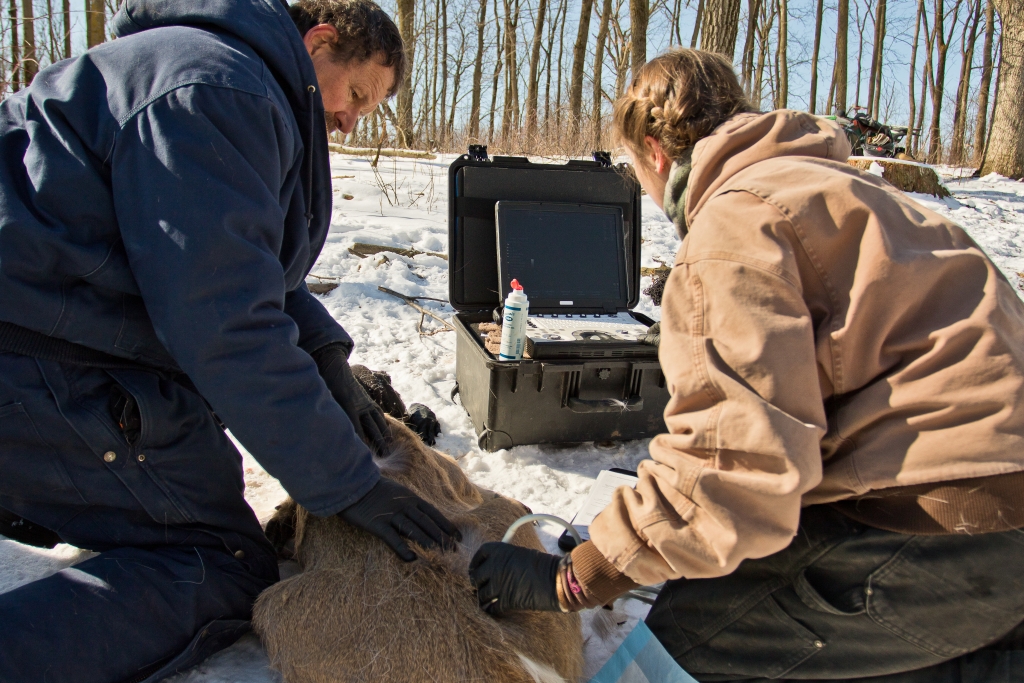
{"x": 513, "y": 326}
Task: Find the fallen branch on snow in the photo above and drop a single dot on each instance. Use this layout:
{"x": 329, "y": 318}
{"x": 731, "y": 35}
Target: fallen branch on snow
{"x": 411, "y": 300}
{"x": 370, "y": 151}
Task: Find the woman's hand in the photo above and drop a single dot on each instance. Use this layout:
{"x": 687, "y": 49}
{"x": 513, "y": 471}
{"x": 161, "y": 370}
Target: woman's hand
{"x": 509, "y": 578}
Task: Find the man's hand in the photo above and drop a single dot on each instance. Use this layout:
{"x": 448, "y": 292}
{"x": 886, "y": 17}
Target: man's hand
{"x": 653, "y": 336}
{"x": 393, "y": 513}
{"x": 509, "y": 578}
{"x": 366, "y": 416}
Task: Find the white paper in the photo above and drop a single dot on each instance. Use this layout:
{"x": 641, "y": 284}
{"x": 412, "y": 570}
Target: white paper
{"x": 597, "y": 500}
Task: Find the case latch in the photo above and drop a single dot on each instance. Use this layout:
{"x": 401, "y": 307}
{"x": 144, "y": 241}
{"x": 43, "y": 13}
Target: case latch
{"x": 603, "y": 158}
{"x": 479, "y": 153}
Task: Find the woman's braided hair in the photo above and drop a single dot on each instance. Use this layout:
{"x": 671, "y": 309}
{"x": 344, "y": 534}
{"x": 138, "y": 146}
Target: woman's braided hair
{"x": 678, "y": 98}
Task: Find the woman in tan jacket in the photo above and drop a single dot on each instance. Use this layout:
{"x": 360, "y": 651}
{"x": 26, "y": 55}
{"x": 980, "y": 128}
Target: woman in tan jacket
{"x": 841, "y": 491}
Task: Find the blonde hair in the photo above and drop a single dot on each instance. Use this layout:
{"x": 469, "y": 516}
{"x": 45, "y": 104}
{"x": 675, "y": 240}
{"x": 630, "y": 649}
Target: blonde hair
{"x": 678, "y": 98}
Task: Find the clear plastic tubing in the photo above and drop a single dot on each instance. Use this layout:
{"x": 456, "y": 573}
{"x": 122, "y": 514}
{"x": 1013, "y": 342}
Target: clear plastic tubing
{"x": 513, "y": 326}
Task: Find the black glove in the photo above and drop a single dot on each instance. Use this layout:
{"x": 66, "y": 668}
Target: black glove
{"x": 377, "y": 385}
{"x": 422, "y": 420}
{"x": 653, "y": 336}
{"x": 392, "y": 513}
{"x": 367, "y": 418}
{"x": 509, "y": 578}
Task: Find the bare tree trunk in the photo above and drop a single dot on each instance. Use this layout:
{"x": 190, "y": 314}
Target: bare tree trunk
{"x": 564, "y": 10}
{"x": 510, "y": 114}
{"x": 819, "y": 12}
{"x": 842, "y": 37}
{"x": 929, "y": 39}
{"x": 407, "y": 28}
{"x": 753, "y": 9}
{"x": 51, "y": 36}
{"x": 579, "y": 54}
{"x": 431, "y": 102}
{"x": 532, "y": 91}
{"x": 444, "y": 71}
{"x": 478, "y": 72}
{"x": 15, "y": 49}
{"x": 549, "y": 50}
{"x": 460, "y": 70}
{"x": 958, "y": 143}
{"x": 95, "y": 22}
{"x": 981, "y": 127}
{"x": 782, "y": 58}
{"x": 880, "y": 26}
{"x": 497, "y": 72}
{"x": 29, "y": 60}
{"x": 876, "y": 55}
{"x": 764, "y": 40}
{"x": 675, "y": 31}
{"x": 913, "y": 67}
{"x": 861, "y": 22}
{"x": 719, "y": 26}
{"x": 696, "y": 24}
{"x": 639, "y": 13}
{"x": 1005, "y": 152}
{"x": 67, "y": 29}
{"x": 602, "y": 37}
{"x": 939, "y": 79}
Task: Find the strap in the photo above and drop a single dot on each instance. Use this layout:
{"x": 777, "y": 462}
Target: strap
{"x": 475, "y": 207}
{"x": 25, "y": 342}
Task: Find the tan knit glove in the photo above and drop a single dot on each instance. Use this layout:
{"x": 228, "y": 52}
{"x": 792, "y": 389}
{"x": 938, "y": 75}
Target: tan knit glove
{"x": 586, "y": 579}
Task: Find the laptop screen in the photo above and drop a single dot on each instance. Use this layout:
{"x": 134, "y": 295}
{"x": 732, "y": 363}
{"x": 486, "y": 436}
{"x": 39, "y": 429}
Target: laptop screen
{"x": 564, "y": 255}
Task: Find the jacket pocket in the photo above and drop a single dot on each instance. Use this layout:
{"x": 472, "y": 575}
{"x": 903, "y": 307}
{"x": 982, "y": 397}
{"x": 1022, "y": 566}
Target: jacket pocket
{"x": 31, "y": 471}
{"x": 765, "y": 642}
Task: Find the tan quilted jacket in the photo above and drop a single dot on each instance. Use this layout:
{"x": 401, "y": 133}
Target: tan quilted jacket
{"x": 823, "y": 336}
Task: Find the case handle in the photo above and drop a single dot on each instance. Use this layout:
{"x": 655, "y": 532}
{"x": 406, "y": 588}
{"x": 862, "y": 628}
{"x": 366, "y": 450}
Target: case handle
{"x": 605, "y": 405}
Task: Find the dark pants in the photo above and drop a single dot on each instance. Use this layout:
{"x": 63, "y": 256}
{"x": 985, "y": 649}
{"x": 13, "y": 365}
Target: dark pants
{"x": 182, "y": 556}
{"x": 845, "y": 602}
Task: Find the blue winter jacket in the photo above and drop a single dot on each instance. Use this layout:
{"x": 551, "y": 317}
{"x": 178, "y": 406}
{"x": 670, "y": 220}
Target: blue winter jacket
{"x": 162, "y": 199}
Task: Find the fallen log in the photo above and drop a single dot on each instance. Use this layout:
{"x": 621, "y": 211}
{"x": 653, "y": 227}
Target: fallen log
{"x": 362, "y": 250}
{"x": 371, "y": 151}
{"x": 907, "y": 176}
{"x": 321, "y": 287}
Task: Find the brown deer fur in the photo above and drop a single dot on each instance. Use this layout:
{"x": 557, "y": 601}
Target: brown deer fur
{"x": 358, "y": 613}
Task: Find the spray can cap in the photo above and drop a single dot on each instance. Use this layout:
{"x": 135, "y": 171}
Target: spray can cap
{"x": 516, "y": 286}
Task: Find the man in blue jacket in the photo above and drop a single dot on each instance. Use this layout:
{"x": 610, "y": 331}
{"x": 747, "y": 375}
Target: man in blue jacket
{"x": 162, "y": 199}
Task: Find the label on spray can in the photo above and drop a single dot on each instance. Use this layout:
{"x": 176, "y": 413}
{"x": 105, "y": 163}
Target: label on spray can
{"x": 513, "y": 325}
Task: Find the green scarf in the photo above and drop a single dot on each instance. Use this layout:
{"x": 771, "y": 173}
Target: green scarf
{"x": 675, "y": 191}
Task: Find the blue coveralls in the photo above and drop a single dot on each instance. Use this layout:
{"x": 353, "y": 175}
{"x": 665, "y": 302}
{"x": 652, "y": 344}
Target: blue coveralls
{"x": 162, "y": 198}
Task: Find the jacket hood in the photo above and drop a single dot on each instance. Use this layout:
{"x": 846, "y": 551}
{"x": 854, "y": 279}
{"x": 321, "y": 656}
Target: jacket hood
{"x": 268, "y": 29}
{"x": 747, "y": 139}
{"x": 263, "y": 24}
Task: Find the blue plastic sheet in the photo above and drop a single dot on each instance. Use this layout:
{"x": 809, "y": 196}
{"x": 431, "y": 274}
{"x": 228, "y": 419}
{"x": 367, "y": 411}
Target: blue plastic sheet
{"x": 641, "y": 659}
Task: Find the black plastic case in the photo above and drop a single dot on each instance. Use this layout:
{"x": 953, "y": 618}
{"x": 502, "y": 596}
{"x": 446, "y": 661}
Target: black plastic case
{"x": 568, "y": 400}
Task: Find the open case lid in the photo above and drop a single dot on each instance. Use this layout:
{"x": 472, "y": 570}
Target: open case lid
{"x": 475, "y": 185}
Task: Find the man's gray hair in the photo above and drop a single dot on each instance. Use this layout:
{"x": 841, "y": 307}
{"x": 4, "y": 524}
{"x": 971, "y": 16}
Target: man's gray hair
{"x": 365, "y": 31}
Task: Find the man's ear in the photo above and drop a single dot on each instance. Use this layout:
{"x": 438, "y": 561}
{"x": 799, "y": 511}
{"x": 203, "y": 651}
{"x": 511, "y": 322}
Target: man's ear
{"x": 319, "y": 37}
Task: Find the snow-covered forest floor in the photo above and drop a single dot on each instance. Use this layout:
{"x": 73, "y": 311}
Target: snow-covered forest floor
{"x": 404, "y": 204}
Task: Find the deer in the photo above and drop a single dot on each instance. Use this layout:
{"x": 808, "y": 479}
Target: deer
{"x": 357, "y": 612}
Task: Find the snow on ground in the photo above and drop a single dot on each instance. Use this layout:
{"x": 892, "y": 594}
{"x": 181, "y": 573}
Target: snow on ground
{"x": 404, "y": 204}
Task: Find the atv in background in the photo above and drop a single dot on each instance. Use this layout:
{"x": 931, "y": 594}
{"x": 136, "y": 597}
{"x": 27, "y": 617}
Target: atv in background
{"x": 871, "y": 138}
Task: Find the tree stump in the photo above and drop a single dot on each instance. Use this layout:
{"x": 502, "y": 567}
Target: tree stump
{"x": 908, "y": 176}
